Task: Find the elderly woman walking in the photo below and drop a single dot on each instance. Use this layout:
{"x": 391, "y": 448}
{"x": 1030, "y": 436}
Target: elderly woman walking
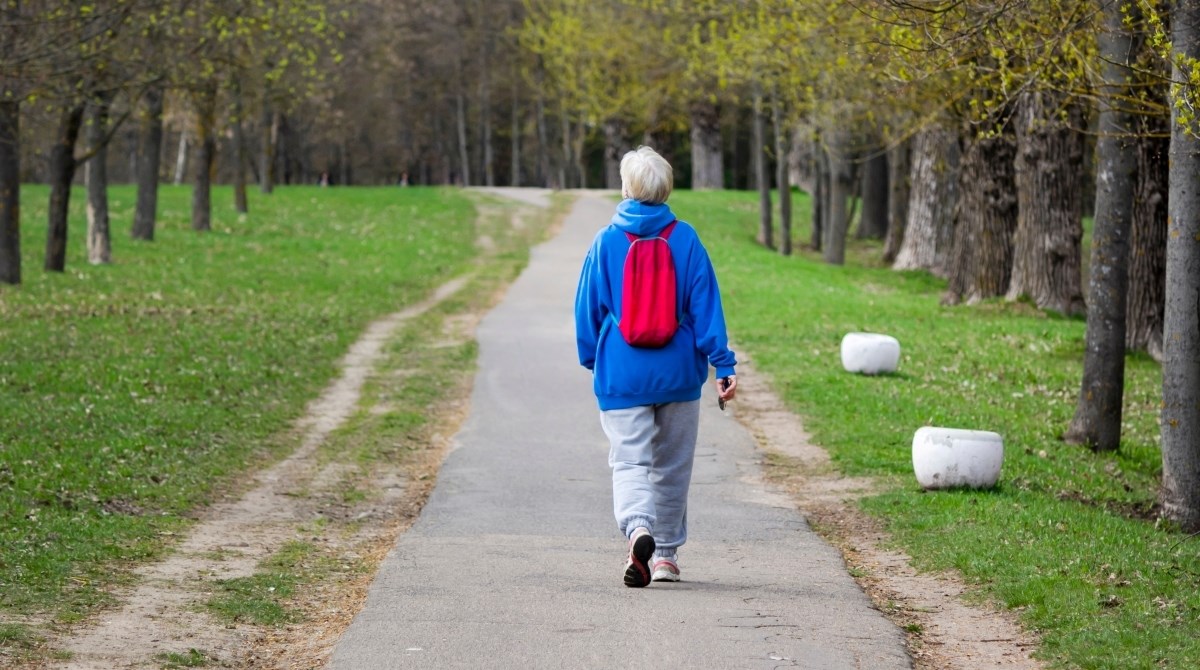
{"x": 649, "y": 324}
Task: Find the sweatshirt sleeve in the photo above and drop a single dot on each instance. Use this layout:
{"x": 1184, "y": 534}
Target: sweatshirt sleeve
{"x": 708, "y": 315}
{"x": 589, "y": 314}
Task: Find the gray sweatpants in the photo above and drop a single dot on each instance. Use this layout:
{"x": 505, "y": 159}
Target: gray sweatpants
{"x": 651, "y": 452}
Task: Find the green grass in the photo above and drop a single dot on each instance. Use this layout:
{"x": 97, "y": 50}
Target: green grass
{"x": 261, "y": 599}
{"x": 192, "y": 658}
{"x": 134, "y": 392}
{"x": 1067, "y": 538}
{"x": 17, "y": 641}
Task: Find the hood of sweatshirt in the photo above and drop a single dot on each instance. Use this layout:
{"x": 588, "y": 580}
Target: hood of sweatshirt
{"x": 641, "y": 219}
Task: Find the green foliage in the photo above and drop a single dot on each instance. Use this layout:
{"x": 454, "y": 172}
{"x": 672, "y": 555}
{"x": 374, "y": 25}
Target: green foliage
{"x": 134, "y": 392}
{"x": 1068, "y": 537}
{"x": 1184, "y": 63}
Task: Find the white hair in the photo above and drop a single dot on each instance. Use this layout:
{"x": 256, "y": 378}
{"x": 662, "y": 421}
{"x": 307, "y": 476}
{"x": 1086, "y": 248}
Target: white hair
{"x": 646, "y": 176}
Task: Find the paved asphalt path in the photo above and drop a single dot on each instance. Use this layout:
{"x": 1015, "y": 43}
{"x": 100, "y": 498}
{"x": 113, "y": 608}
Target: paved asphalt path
{"x": 516, "y": 561}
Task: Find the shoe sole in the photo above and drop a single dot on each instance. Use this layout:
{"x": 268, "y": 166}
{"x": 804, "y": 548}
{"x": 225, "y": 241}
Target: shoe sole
{"x": 637, "y": 573}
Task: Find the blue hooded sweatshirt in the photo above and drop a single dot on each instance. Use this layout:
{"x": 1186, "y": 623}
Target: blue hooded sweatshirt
{"x": 626, "y": 376}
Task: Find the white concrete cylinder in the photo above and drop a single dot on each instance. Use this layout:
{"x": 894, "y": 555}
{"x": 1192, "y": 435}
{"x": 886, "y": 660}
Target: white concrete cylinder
{"x": 945, "y": 458}
{"x": 870, "y": 353}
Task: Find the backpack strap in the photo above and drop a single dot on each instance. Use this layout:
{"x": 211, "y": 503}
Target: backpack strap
{"x": 665, "y": 233}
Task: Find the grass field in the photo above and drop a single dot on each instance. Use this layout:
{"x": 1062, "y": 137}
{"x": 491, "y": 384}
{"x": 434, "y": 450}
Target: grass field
{"x": 1068, "y": 537}
{"x": 131, "y": 393}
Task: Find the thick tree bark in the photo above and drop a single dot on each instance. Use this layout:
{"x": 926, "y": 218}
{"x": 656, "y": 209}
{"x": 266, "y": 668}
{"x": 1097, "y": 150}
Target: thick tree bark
{"x": 148, "y": 157}
{"x": 10, "y": 187}
{"x": 932, "y": 200}
{"x": 62, "y": 172}
{"x": 782, "y": 180}
{"x": 1148, "y": 240}
{"x": 1046, "y": 261}
{"x": 708, "y": 170}
{"x": 205, "y": 103}
{"x": 981, "y": 262}
{"x": 837, "y": 219}
{"x": 761, "y": 178}
{"x": 240, "y": 203}
{"x": 99, "y": 239}
{"x": 899, "y": 168}
{"x": 1181, "y": 334}
{"x": 874, "y": 221}
{"x": 1097, "y": 420}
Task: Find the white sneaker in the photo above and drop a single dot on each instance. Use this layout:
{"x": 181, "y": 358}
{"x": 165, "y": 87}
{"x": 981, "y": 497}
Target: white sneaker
{"x": 665, "y": 570}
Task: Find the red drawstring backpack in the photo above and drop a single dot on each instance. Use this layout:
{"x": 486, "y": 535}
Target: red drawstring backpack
{"x": 648, "y": 291}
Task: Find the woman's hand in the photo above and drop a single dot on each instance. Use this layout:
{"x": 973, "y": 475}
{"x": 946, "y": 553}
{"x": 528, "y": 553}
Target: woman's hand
{"x": 726, "y": 392}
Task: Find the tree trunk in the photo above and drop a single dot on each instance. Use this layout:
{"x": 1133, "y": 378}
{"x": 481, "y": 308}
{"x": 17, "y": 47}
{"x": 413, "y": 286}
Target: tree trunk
{"x": 708, "y": 170}
{"x": 837, "y": 219}
{"x": 1097, "y": 420}
{"x": 269, "y": 147}
{"x": 543, "y": 157}
{"x": 148, "y": 157}
{"x": 464, "y": 154}
{"x": 205, "y": 103}
{"x": 577, "y": 151}
{"x": 283, "y": 158}
{"x": 485, "y": 120}
{"x": 874, "y": 222}
{"x": 899, "y": 167}
{"x": 62, "y": 172}
{"x": 515, "y": 177}
{"x": 735, "y": 156}
{"x": 761, "y": 178}
{"x": 1181, "y": 332}
{"x": 10, "y": 162}
{"x": 981, "y": 263}
{"x": 181, "y": 158}
{"x": 782, "y": 180}
{"x": 1148, "y": 240}
{"x": 99, "y": 239}
{"x": 240, "y": 203}
{"x": 10, "y": 187}
{"x": 615, "y": 148}
{"x": 1046, "y": 261}
{"x": 932, "y": 201}
{"x": 564, "y": 165}
{"x": 820, "y": 196}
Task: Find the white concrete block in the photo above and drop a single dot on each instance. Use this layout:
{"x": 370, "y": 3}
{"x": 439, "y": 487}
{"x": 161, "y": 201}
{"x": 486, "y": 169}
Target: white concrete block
{"x": 946, "y": 458}
{"x": 870, "y": 353}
